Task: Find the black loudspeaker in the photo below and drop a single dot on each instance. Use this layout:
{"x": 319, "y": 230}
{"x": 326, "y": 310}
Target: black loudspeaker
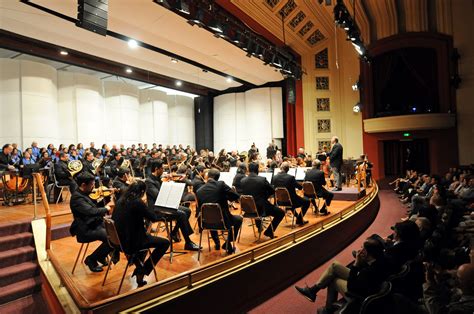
{"x": 93, "y": 15}
{"x": 291, "y": 91}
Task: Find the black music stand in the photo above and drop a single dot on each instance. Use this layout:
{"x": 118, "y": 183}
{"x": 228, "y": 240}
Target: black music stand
{"x": 168, "y": 215}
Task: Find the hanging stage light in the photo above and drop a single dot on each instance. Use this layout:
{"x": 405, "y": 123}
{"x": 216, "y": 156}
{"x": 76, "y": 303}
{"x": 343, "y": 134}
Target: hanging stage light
{"x": 357, "y": 108}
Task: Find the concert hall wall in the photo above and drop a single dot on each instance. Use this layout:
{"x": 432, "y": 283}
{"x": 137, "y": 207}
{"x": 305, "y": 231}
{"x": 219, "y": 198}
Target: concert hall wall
{"x": 243, "y": 118}
{"x": 37, "y": 102}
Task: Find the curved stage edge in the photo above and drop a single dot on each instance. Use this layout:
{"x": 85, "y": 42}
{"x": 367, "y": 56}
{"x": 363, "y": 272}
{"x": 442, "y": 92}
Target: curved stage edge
{"x": 239, "y": 282}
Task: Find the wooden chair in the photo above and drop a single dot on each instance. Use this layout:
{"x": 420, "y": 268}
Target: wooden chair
{"x": 283, "y": 200}
{"x": 79, "y": 254}
{"x": 114, "y": 242}
{"x": 248, "y": 210}
{"x": 310, "y": 192}
{"x": 212, "y": 219}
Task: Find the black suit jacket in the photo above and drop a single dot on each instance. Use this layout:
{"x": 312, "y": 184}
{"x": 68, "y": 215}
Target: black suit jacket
{"x": 238, "y": 182}
{"x": 197, "y": 183}
{"x": 5, "y": 160}
{"x": 335, "y": 156}
{"x": 87, "y": 167}
{"x": 284, "y": 180}
{"x": 87, "y": 216}
{"x": 61, "y": 171}
{"x": 316, "y": 176}
{"x": 217, "y": 192}
{"x": 259, "y": 188}
{"x": 129, "y": 222}
{"x": 153, "y": 186}
{"x": 120, "y": 185}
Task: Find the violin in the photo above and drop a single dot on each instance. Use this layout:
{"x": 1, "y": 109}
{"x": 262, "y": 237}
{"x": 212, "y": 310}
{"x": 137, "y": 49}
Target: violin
{"x": 101, "y": 192}
{"x": 175, "y": 177}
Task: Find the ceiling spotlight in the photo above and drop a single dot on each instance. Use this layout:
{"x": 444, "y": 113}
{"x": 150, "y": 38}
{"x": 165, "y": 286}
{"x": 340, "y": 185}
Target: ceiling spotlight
{"x": 179, "y": 83}
{"x": 357, "y": 108}
{"x": 205, "y": 71}
{"x": 173, "y": 60}
{"x": 356, "y": 86}
{"x": 182, "y": 6}
{"x": 132, "y": 43}
{"x": 63, "y": 53}
{"x": 216, "y": 26}
{"x": 229, "y": 79}
{"x": 275, "y": 61}
{"x": 128, "y": 70}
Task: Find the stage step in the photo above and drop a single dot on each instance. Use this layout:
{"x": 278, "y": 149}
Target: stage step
{"x": 15, "y": 241}
{"x": 31, "y": 304}
{"x": 19, "y": 272}
{"x": 17, "y": 256}
{"x": 19, "y": 289}
{"x": 14, "y": 228}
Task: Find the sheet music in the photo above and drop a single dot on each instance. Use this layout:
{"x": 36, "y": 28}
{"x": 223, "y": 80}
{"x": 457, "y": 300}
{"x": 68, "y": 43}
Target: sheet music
{"x": 170, "y": 194}
{"x": 292, "y": 172}
{"x": 227, "y": 177}
{"x": 266, "y": 175}
{"x": 233, "y": 170}
{"x": 300, "y": 173}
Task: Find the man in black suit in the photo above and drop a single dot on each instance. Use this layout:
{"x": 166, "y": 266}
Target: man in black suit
{"x": 87, "y": 163}
{"x": 261, "y": 190}
{"x": 120, "y": 182}
{"x": 335, "y": 157}
{"x": 285, "y": 180}
{"x": 88, "y": 225}
{"x": 198, "y": 180}
{"x": 182, "y": 214}
{"x": 362, "y": 279}
{"x": 316, "y": 176}
{"x": 62, "y": 173}
{"x": 215, "y": 191}
{"x": 271, "y": 150}
{"x": 5, "y": 158}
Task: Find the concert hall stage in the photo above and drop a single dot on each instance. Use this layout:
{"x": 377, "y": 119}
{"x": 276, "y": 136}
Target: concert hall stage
{"x": 258, "y": 270}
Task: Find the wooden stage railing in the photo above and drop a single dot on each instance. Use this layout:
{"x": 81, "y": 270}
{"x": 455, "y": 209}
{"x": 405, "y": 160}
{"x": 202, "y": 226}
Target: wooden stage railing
{"x": 171, "y": 289}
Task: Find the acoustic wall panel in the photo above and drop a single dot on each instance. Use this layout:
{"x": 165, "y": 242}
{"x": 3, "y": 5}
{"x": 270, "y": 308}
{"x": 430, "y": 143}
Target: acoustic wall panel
{"x": 10, "y": 105}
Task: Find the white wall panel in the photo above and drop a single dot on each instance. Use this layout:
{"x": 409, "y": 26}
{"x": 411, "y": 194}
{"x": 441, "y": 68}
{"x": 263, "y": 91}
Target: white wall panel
{"x": 277, "y": 112}
{"x": 10, "y": 107}
{"x": 258, "y": 117}
{"x": 39, "y": 103}
{"x": 88, "y": 114}
{"x": 225, "y": 122}
{"x": 67, "y": 120}
{"x": 145, "y": 124}
{"x": 181, "y": 120}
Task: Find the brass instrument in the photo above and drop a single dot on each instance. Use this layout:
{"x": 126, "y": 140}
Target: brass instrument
{"x": 74, "y": 167}
{"x": 96, "y": 163}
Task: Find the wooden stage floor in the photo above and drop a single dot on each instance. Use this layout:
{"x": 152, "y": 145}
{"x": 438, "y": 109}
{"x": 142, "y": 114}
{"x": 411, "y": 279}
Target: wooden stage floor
{"x": 89, "y": 284}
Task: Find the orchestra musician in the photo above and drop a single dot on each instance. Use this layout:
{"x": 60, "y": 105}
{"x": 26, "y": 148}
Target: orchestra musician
{"x": 241, "y": 173}
{"x": 87, "y": 163}
{"x": 5, "y": 158}
{"x": 261, "y": 190}
{"x": 121, "y": 183}
{"x": 62, "y": 173}
{"x": 128, "y": 215}
{"x": 153, "y": 184}
{"x": 285, "y": 180}
{"x": 88, "y": 225}
{"x": 301, "y": 153}
{"x": 335, "y": 161}
{"x": 316, "y": 176}
{"x": 215, "y": 191}
{"x": 271, "y": 150}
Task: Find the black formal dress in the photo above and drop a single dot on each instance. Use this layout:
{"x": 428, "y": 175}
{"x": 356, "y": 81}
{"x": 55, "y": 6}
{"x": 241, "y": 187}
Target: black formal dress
{"x": 261, "y": 190}
{"x": 284, "y": 180}
{"x": 220, "y": 193}
{"x": 129, "y": 221}
{"x": 238, "y": 182}
{"x": 182, "y": 214}
{"x": 335, "y": 161}
{"x": 88, "y": 225}
{"x": 64, "y": 176}
{"x": 316, "y": 177}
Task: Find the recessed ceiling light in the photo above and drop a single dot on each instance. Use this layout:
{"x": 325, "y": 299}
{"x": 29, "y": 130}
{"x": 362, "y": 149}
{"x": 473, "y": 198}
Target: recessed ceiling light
{"x": 173, "y": 60}
{"x": 128, "y": 70}
{"x": 229, "y": 79}
{"x": 179, "y": 83}
{"x": 132, "y": 43}
{"x": 63, "y": 52}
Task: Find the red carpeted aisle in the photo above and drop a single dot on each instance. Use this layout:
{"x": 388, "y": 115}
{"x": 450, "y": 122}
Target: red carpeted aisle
{"x": 290, "y": 301}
